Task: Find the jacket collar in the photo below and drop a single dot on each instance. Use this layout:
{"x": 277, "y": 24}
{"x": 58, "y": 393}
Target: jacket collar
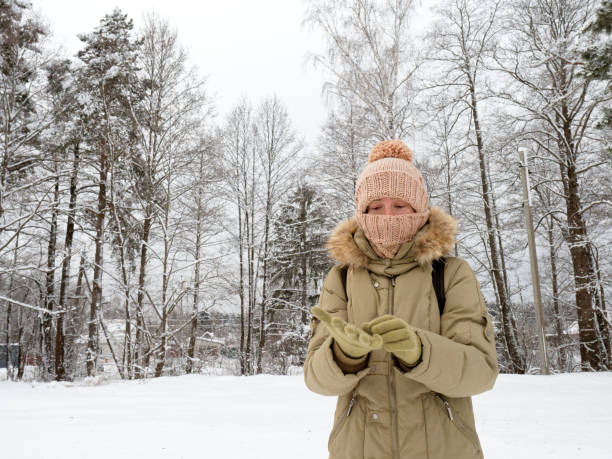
{"x": 347, "y": 243}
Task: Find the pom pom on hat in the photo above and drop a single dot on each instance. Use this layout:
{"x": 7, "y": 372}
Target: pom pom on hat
{"x": 390, "y": 149}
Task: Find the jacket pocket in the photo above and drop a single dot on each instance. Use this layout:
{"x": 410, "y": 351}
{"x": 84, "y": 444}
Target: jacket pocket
{"x": 340, "y": 423}
{"x": 377, "y": 437}
{"x": 462, "y": 427}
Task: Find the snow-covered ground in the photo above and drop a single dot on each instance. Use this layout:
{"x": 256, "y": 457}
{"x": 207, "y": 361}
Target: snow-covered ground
{"x": 226, "y": 417}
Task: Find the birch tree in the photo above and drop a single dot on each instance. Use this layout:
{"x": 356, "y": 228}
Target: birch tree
{"x": 342, "y": 152}
{"x": 240, "y": 164}
{"x": 277, "y": 151}
{"x": 371, "y": 59}
{"x": 205, "y": 211}
{"x": 173, "y": 110}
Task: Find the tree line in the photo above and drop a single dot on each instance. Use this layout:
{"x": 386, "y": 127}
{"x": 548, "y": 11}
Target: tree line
{"x": 139, "y": 230}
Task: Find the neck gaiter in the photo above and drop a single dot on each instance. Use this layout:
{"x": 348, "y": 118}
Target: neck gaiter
{"x": 387, "y": 233}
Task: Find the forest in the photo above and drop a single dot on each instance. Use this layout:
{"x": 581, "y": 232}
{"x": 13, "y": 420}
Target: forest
{"x": 144, "y": 234}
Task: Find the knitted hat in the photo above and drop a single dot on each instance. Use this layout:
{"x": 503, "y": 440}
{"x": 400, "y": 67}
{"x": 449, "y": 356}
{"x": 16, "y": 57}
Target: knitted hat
{"x": 390, "y": 173}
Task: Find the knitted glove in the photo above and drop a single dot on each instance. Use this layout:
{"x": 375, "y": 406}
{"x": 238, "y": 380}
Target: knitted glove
{"x": 398, "y": 337}
{"x": 352, "y": 340}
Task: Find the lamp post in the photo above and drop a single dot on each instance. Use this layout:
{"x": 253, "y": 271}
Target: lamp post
{"x": 533, "y": 257}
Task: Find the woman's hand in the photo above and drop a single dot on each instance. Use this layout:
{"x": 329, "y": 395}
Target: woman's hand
{"x": 352, "y": 340}
{"x": 398, "y": 337}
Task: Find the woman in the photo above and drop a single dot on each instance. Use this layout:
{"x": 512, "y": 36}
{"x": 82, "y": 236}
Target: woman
{"x": 402, "y": 372}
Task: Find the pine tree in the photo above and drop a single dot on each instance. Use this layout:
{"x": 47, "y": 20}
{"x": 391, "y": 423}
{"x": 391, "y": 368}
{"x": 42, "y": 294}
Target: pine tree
{"x": 598, "y": 56}
{"x": 299, "y": 263}
{"x": 19, "y": 51}
{"x": 21, "y": 120}
{"x": 109, "y": 57}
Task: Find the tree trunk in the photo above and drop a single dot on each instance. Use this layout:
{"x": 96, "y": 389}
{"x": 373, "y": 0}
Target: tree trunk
{"x": 8, "y": 316}
{"x": 161, "y": 352}
{"x": 562, "y": 360}
{"x": 196, "y": 273}
{"x": 517, "y": 365}
{"x": 449, "y": 197}
{"x": 196, "y": 294}
{"x": 60, "y": 369}
{"x": 591, "y": 349}
{"x": 74, "y": 321}
{"x": 21, "y": 353}
{"x": 7, "y": 354}
{"x": 250, "y": 254}
{"x": 241, "y": 292}
{"x": 591, "y": 352}
{"x": 262, "y": 319}
{"x": 160, "y": 355}
{"x": 602, "y": 319}
{"x": 303, "y": 264}
{"x": 96, "y": 294}
{"x": 125, "y": 369}
{"x": 50, "y": 284}
{"x": 144, "y": 240}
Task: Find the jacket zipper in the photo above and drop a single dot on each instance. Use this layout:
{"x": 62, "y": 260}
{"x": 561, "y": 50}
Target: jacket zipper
{"x": 447, "y": 406}
{"x": 394, "y": 433}
{"x": 337, "y": 429}
{"x": 351, "y": 403}
{"x": 459, "y": 424}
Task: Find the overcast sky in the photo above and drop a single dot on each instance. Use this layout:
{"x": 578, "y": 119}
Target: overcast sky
{"x": 250, "y": 47}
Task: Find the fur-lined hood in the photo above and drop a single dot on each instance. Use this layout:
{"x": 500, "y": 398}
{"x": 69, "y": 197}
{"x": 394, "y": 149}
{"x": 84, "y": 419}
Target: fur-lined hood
{"x": 434, "y": 240}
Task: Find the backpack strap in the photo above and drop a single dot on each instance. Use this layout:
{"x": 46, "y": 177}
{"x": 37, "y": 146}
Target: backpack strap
{"x": 437, "y": 277}
{"x": 343, "y": 273}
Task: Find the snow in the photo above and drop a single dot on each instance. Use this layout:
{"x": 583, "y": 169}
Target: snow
{"x": 225, "y": 417}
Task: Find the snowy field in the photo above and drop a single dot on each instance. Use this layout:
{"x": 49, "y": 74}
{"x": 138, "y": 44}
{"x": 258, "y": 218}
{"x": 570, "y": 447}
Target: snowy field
{"x": 274, "y": 417}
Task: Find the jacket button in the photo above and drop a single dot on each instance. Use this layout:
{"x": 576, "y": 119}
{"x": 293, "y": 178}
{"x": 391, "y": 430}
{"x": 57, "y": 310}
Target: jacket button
{"x": 376, "y": 284}
{"x": 374, "y": 416}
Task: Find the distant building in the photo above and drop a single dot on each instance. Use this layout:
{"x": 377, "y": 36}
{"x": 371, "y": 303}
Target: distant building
{"x": 208, "y": 345}
{"x": 567, "y": 338}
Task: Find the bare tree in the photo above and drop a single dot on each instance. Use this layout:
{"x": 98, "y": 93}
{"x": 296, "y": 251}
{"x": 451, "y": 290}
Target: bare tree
{"x": 461, "y": 41}
{"x": 170, "y": 112}
{"x": 371, "y": 58}
{"x": 342, "y": 152}
{"x": 240, "y": 164}
{"x": 277, "y": 150}
{"x": 205, "y": 211}
{"x": 555, "y": 103}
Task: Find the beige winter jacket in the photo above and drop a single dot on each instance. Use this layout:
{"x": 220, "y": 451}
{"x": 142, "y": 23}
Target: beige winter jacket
{"x": 382, "y": 411}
